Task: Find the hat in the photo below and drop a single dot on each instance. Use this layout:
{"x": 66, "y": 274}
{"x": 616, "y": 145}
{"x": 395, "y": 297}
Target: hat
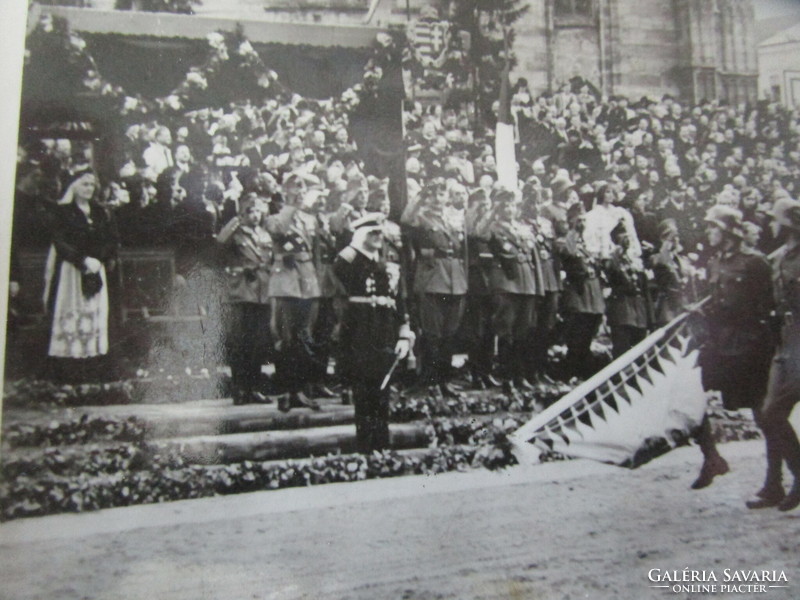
{"x": 726, "y": 218}
{"x": 561, "y": 181}
{"x": 369, "y": 222}
{"x": 503, "y": 194}
{"x": 250, "y": 200}
{"x": 78, "y": 172}
{"x": 308, "y": 178}
{"x": 786, "y": 212}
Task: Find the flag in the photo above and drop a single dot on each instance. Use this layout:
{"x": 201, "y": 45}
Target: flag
{"x": 504, "y": 151}
{"x": 643, "y": 403}
{"x": 429, "y": 39}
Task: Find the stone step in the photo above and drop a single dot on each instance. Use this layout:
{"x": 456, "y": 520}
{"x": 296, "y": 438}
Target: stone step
{"x": 277, "y": 445}
{"x": 221, "y": 417}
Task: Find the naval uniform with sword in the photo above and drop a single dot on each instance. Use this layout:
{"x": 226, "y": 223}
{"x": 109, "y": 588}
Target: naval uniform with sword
{"x": 374, "y": 334}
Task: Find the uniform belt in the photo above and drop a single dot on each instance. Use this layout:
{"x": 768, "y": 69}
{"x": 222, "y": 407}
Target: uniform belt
{"x": 299, "y": 256}
{"x": 374, "y": 300}
{"x": 444, "y": 253}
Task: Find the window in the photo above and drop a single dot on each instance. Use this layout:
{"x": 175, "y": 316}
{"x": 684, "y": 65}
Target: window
{"x": 573, "y": 8}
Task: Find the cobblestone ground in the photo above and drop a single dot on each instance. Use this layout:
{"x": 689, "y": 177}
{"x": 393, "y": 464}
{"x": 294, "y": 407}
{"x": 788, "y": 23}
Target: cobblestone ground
{"x": 561, "y": 530}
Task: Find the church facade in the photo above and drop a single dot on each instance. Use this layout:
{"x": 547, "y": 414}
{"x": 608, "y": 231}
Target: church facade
{"x": 692, "y": 49}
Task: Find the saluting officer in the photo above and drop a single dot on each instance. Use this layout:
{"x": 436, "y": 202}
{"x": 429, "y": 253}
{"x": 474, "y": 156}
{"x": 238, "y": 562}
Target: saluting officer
{"x": 515, "y": 282}
{"x": 671, "y": 272}
{"x": 583, "y": 295}
{"x": 783, "y": 389}
{"x": 331, "y": 292}
{"x": 295, "y": 288}
{"x": 440, "y": 282}
{"x": 248, "y": 260}
{"x": 374, "y": 332}
{"x": 476, "y": 325}
{"x": 735, "y": 358}
{"x": 627, "y": 306}
{"x": 549, "y": 266}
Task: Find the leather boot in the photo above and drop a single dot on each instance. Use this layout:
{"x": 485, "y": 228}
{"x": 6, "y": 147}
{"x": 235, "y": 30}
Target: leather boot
{"x": 716, "y": 465}
{"x": 767, "y": 497}
{"x": 792, "y": 499}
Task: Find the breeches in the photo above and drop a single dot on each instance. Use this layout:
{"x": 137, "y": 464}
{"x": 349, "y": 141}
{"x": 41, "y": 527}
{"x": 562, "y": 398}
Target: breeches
{"x": 440, "y": 314}
{"x": 514, "y": 315}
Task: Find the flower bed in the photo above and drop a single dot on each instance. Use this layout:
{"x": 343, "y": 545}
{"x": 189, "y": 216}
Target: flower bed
{"x": 83, "y": 430}
{"x": 148, "y": 481}
{"x": 31, "y": 393}
{"x": 411, "y": 408}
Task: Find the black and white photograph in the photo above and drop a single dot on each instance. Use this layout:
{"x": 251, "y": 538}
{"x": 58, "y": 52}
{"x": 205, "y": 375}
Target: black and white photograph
{"x": 400, "y": 299}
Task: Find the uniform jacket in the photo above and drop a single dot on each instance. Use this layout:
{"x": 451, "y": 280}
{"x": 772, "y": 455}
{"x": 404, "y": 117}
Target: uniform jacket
{"x": 325, "y": 251}
{"x": 582, "y": 291}
{"x": 549, "y": 261}
{"x": 479, "y": 257}
{"x": 627, "y": 304}
{"x": 786, "y": 280}
{"x": 741, "y": 302}
{"x": 248, "y": 262}
{"x": 441, "y": 267}
{"x": 669, "y": 274}
{"x": 294, "y": 274}
{"x": 515, "y": 269}
{"x": 372, "y": 317}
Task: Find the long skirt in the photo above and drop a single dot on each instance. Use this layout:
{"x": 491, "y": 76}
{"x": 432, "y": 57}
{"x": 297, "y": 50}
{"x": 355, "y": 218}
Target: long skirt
{"x": 79, "y": 324}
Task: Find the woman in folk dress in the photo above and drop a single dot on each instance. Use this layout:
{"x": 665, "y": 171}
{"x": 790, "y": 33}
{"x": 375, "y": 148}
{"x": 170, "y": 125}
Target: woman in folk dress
{"x": 84, "y": 245}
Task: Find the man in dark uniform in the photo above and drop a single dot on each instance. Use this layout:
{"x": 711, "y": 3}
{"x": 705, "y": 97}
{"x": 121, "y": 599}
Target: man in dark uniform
{"x": 374, "y": 332}
{"x": 549, "y": 266}
{"x": 249, "y": 256}
{"x": 515, "y": 282}
{"x": 736, "y": 356}
{"x": 440, "y": 281}
{"x": 672, "y": 274}
{"x": 584, "y": 304}
{"x": 627, "y": 306}
{"x": 783, "y": 389}
{"x": 476, "y": 325}
{"x": 331, "y": 292}
{"x": 295, "y": 288}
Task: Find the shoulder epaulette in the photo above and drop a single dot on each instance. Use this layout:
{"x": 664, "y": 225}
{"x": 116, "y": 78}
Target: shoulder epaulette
{"x": 348, "y": 254}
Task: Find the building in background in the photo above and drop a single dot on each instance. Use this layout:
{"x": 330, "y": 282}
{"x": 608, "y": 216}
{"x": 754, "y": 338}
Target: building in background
{"x": 779, "y": 62}
{"x": 693, "y": 49}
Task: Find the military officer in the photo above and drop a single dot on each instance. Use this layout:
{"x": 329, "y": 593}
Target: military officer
{"x": 440, "y": 283}
{"x": 783, "y": 388}
{"x": 476, "y": 325}
{"x": 248, "y": 257}
{"x": 671, "y": 273}
{"x": 549, "y": 265}
{"x": 374, "y": 332}
{"x": 329, "y": 308}
{"x": 584, "y": 304}
{"x": 294, "y": 287}
{"x": 735, "y": 358}
{"x": 515, "y": 282}
{"x": 627, "y": 306}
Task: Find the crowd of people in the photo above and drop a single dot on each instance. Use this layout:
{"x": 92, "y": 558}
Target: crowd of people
{"x": 606, "y": 225}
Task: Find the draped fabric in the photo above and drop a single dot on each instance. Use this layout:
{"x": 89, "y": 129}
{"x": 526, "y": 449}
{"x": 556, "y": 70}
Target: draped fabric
{"x": 644, "y": 403}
